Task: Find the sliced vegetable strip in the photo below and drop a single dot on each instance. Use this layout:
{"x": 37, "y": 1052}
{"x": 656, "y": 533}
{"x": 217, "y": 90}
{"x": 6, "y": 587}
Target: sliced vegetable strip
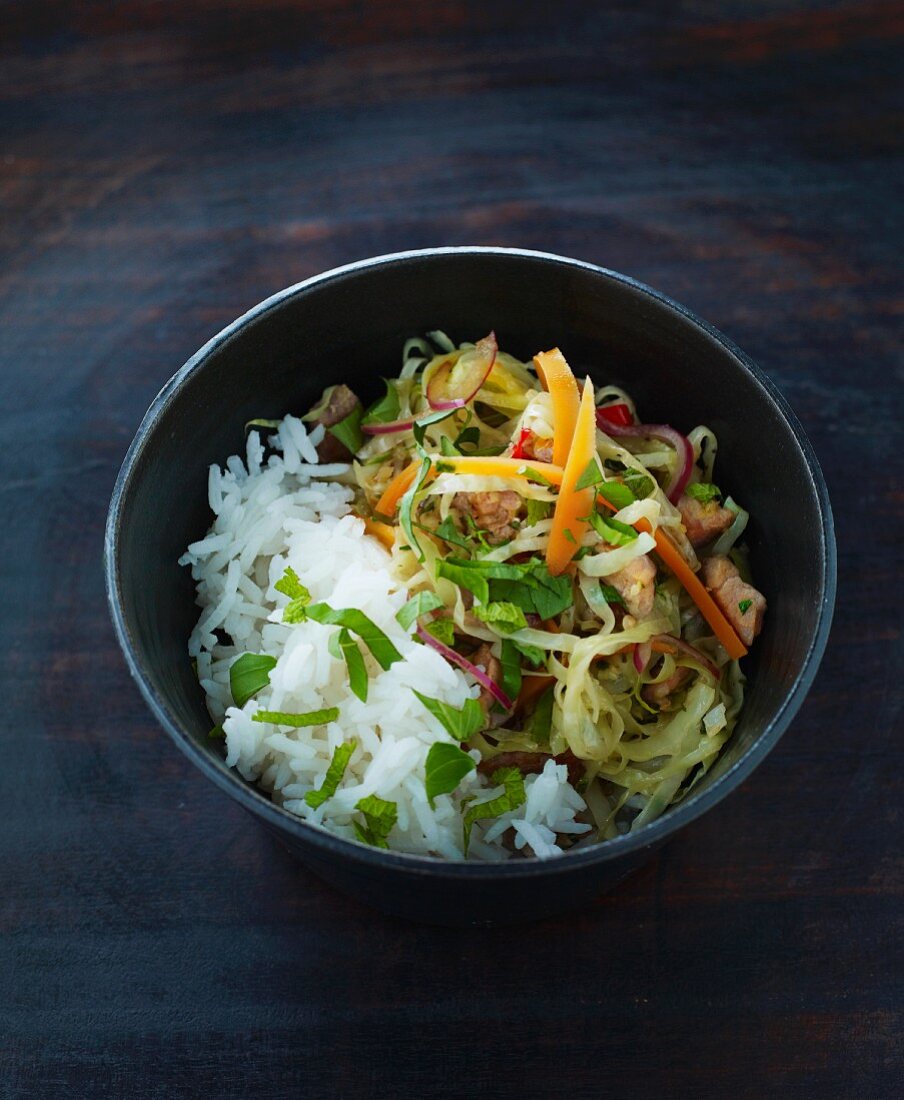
{"x": 396, "y": 489}
{"x": 556, "y": 376}
{"x": 574, "y": 505}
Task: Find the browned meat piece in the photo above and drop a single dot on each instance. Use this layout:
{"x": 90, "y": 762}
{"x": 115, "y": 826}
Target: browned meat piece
{"x": 659, "y": 695}
{"x": 493, "y": 512}
{"x": 703, "y": 521}
{"x": 721, "y": 577}
{"x": 483, "y": 656}
{"x": 336, "y": 403}
{"x": 636, "y": 585}
{"x": 531, "y": 762}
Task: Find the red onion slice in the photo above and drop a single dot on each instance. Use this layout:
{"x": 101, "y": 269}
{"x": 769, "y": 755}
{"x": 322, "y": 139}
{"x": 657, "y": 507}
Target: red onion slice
{"x": 689, "y": 651}
{"x": 681, "y": 443}
{"x": 456, "y": 659}
{"x": 641, "y": 656}
{"x": 452, "y": 386}
{"x": 389, "y": 428}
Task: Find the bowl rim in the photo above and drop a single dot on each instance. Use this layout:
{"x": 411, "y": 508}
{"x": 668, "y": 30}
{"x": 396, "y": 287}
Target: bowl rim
{"x": 260, "y": 805}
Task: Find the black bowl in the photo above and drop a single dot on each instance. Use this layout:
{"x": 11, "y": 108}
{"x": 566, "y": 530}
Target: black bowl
{"x": 349, "y": 325}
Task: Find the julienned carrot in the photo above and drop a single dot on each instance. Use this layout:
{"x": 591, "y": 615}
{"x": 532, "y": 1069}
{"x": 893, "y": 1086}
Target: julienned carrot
{"x": 570, "y": 520}
{"x": 556, "y": 376}
{"x": 532, "y": 687}
{"x": 382, "y": 532}
{"x": 396, "y": 489}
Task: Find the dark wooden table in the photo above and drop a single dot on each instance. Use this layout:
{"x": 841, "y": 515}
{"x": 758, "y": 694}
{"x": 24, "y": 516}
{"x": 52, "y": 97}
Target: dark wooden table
{"x": 165, "y": 166}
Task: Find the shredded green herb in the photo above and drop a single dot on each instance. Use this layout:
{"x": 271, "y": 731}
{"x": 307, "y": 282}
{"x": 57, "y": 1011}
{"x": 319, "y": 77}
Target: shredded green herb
{"x": 704, "y": 491}
{"x": 334, "y": 773}
{"x": 512, "y": 797}
{"x": 744, "y": 606}
{"x": 406, "y": 507}
{"x": 384, "y": 410}
{"x": 641, "y": 485}
{"x": 289, "y": 718}
{"x": 348, "y": 431}
{"x": 379, "y": 818}
{"x": 299, "y": 596}
{"x": 511, "y": 669}
{"x": 248, "y": 675}
{"x": 612, "y": 531}
{"x": 616, "y": 494}
{"x": 592, "y": 475}
{"x": 445, "y": 768}
{"x": 217, "y": 731}
{"x": 610, "y": 594}
{"x": 441, "y": 629}
{"x": 354, "y": 661}
{"x": 537, "y": 510}
{"x": 540, "y": 722}
{"x": 503, "y": 617}
{"x": 534, "y": 475}
{"x": 459, "y": 722}
{"x": 418, "y": 605}
{"x": 385, "y": 653}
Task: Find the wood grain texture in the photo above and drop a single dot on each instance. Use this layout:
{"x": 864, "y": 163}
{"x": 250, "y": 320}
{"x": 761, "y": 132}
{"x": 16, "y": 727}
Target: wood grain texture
{"x": 165, "y": 166}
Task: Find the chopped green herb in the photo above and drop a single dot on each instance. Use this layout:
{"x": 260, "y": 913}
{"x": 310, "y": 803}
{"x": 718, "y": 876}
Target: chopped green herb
{"x": 529, "y": 585}
{"x": 704, "y": 491}
{"x": 423, "y": 423}
{"x": 217, "y": 731}
{"x": 459, "y": 722}
{"x": 334, "y": 773}
{"x": 445, "y": 468}
{"x": 288, "y": 718}
{"x": 531, "y": 653}
{"x": 348, "y": 431}
{"x": 446, "y": 766}
{"x": 592, "y": 475}
{"x": 616, "y": 494}
{"x": 612, "y": 531}
{"x": 299, "y": 596}
{"x": 379, "y": 818}
{"x": 744, "y": 606}
{"x": 534, "y": 475}
{"x": 442, "y": 629}
{"x": 248, "y": 675}
{"x": 448, "y": 532}
{"x": 406, "y": 507}
{"x": 447, "y": 447}
{"x": 378, "y": 460}
{"x": 384, "y": 410}
{"x": 641, "y": 485}
{"x": 357, "y": 670}
{"x": 418, "y": 605}
{"x": 358, "y": 623}
{"x": 502, "y": 616}
{"x": 538, "y": 510}
{"x": 512, "y": 797}
{"x": 511, "y": 669}
{"x": 540, "y": 722}
{"x": 568, "y": 535}
{"x": 467, "y": 436}
{"x": 581, "y": 553}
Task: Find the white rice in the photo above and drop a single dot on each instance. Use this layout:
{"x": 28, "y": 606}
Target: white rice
{"x": 281, "y": 512}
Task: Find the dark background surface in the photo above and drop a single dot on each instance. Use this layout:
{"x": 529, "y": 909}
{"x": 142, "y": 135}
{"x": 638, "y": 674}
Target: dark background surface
{"x": 165, "y": 166}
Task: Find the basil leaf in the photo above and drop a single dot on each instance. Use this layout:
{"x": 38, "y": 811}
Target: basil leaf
{"x": 406, "y": 508}
{"x": 460, "y": 723}
{"x": 348, "y": 431}
{"x": 357, "y": 670}
{"x": 418, "y": 605}
{"x": 446, "y": 767}
{"x": 443, "y": 630}
{"x": 592, "y": 475}
{"x": 612, "y": 531}
{"x": 358, "y": 623}
{"x": 384, "y": 410}
{"x": 504, "y": 617}
{"x": 532, "y": 653}
{"x": 289, "y": 718}
{"x": 511, "y": 669}
{"x": 334, "y": 773}
{"x": 248, "y": 675}
{"x": 379, "y": 818}
{"x": 513, "y": 797}
{"x": 537, "y": 510}
{"x": 641, "y": 485}
{"x": 704, "y": 491}
{"x": 616, "y": 494}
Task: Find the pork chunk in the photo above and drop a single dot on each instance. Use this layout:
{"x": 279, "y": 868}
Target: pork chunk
{"x": 335, "y": 404}
{"x": 530, "y": 763}
{"x": 636, "y": 585}
{"x": 721, "y": 577}
{"x": 703, "y": 521}
{"x": 493, "y": 512}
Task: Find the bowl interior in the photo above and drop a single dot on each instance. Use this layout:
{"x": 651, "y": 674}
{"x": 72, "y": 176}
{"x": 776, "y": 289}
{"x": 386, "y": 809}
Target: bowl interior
{"x": 350, "y": 326}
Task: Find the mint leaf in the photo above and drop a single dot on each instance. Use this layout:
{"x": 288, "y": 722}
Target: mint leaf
{"x": 616, "y": 494}
{"x": 289, "y": 718}
{"x": 385, "y": 653}
{"x": 357, "y": 669}
{"x": 704, "y": 491}
{"x": 448, "y": 532}
{"x": 217, "y": 731}
{"x": 537, "y": 510}
{"x": 540, "y": 722}
{"x": 512, "y": 797}
{"x": 348, "y": 431}
{"x": 534, "y": 475}
{"x": 248, "y": 675}
{"x": 641, "y": 485}
{"x": 504, "y": 617}
{"x": 299, "y": 596}
{"x": 443, "y": 630}
{"x": 612, "y": 531}
{"x": 460, "y": 723}
{"x": 592, "y": 475}
{"x": 446, "y": 766}
{"x": 744, "y": 606}
{"x": 511, "y": 669}
{"x": 384, "y": 410}
{"x": 610, "y": 594}
{"x": 379, "y": 818}
{"x": 418, "y": 605}
{"x": 333, "y": 777}
{"x": 532, "y": 653}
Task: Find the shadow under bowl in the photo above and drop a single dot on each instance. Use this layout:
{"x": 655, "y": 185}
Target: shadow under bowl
{"x": 349, "y": 325}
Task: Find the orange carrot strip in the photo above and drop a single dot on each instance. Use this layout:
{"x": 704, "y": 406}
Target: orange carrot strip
{"x": 499, "y": 466}
{"x": 396, "y": 489}
{"x": 573, "y": 505}
{"x": 556, "y": 376}
{"x": 382, "y": 532}
{"x": 532, "y": 687}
